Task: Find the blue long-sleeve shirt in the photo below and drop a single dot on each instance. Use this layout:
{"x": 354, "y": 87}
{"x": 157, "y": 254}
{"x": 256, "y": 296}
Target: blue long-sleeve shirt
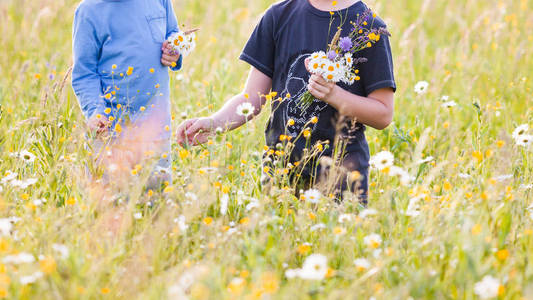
{"x": 117, "y": 56}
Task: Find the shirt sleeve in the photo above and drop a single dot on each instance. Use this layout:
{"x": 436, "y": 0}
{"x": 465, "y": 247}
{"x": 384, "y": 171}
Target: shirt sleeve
{"x": 260, "y": 48}
{"x": 85, "y": 78}
{"x": 378, "y": 72}
{"x": 172, "y": 27}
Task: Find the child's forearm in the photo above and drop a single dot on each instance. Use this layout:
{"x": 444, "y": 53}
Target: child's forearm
{"x": 376, "y": 110}
{"x": 227, "y": 117}
{"x": 257, "y": 85}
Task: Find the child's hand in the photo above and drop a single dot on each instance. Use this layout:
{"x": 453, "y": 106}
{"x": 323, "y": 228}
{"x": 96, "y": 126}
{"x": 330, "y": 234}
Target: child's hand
{"x": 196, "y": 131}
{"x": 318, "y": 86}
{"x": 169, "y": 58}
{"x": 98, "y": 124}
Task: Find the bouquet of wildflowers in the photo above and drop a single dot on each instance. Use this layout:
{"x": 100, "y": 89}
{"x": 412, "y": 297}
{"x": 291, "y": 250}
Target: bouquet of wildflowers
{"x": 337, "y": 64}
{"x": 183, "y": 42}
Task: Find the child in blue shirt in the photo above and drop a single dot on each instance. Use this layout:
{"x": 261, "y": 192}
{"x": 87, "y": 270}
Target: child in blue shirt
{"x": 120, "y": 64}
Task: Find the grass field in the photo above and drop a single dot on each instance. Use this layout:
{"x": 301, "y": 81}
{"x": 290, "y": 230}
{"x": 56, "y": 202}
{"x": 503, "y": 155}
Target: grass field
{"x": 468, "y": 217}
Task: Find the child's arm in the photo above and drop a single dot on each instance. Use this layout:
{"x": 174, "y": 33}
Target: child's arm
{"x": 174, "y": 62}
{"x": 376, "y": 110}
{"x": 85, "y": 78}
{"x": 200, "y": 129}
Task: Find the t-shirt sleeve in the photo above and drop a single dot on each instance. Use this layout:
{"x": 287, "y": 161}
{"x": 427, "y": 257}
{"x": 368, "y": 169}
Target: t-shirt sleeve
{"x": 378, "y": 72}
{"x": 260, "y": 48}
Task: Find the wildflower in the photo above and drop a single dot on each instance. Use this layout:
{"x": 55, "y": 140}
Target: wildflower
{"x": 208, "y": 221}
{"x": 361, "y": 264}
{"x": 5, "y": 227}
{"x": 345, "y": 44}
{"x": 315, "y": 267}
{"x": 524, "y": 140}
{"x": 421, "y": 87}
{"x": 449, "y": 104}
{"x": 382, "y": 160}
{"x": 246, "y": 109}
{"x": 129, "y": 71}
{"x": 368, "y": 212}
{"x": 487, "y": 288}
{"x": 312, "y": 196}
{"x": 224, "y": 204}
{"x": 25, "y": 280}
{"x": 339, "y": 231}
{"x": 345, "y": 218}
{"x": 314, "y": 120}
{"x": 373, "y": 240}
{"x": 137, "y": 215}
{"x": 520, "y": 131}
{"x": 62, "y": 249}
{"x": 48, "y": 265}
{"x": 17, "y": 259}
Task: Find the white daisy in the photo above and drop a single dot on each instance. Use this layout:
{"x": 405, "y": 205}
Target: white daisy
{"x": 315, "y": 267}
{"x": 520, "y": 131}
{"x": 362, "y": 264}
{"x": 449, "y": 104}
{"x": 27, "y": 156}
{"x": 382, "y": 160}
{"x": 368, "y": 212}
{"x": 487, "y": 288}
{"x": 5, "y": 227}
{"x": 9, "y": 177}
{"x": 413, "y": 208}
{"x": 524, "y": 140}
{"x": 17, "y": 259}
{"x": 421, "y": 87}
{"x": 345, "y": 218}
{"x": 373, "y": 240}
{"x": 405, "y": 178}
{"x": 224, "y": 204}
{"x": 25, "y": 280}
{"x": 312, "y": 196}
{"x": 138, "y": 216}
{"x": 246, "y": 109}
{"x": 61, "y": 249}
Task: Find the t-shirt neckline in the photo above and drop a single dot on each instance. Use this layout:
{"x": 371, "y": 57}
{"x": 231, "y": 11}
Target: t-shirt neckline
{"x": 326, "y": 14}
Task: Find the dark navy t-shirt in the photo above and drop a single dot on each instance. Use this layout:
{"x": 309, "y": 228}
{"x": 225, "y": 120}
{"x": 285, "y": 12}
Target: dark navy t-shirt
{"x": 286, "y": 35}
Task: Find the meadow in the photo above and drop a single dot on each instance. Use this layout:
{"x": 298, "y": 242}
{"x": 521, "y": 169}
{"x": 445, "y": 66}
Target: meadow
{"x": 461, "y": 229}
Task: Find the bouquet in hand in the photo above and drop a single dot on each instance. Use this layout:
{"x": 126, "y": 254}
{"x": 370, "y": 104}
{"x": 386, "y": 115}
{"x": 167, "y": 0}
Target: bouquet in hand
{"x": 183, "y": 42}
{"x": 337, "y": 64}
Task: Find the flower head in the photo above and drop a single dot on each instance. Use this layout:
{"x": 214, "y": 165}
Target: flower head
{"x": 315, "y": 267}
{"x": 487, "y": 288}
{"x": 382, "y": 160}
{"x": 246, "y": 109}
{"x": 345, "y": 44}
{"x": 421, "y": 87}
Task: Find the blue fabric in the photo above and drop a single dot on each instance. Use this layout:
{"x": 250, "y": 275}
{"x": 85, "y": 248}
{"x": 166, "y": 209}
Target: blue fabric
{"x": 127, "y": 34}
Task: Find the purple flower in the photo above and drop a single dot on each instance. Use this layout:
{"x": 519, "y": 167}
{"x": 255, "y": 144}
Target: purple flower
{"x": 332, "y": 55}
{"x": 345, "y": 43}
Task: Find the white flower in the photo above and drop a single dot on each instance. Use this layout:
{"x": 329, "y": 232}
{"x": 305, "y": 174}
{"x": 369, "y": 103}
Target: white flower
{"x": 362, "y": 264}
{"x": 292, "y": 273}
{"x": 25, "y": 280}
{"x": 254, "y": 203}
{"x": 181, "y": 223}
{"x": 449, "y": 104}
{"x": 421, "y": 87}
{"x": 17, "y": 259}
{"x": 315, "y": 267}
{"x": 367, "y": 212}
{"x": 23, "y": 184}
{"x": 62, "y": 249}
{"x": 520, "y": 131}
{"x": 318, "y": 226}
{"x": 191, "y": 196}
{"x": 345, "y": 218}
{"x": 312, "y": 196}
{"x": 9, "y": 177}
{"x": 524, "y": 140}
{"x": 464, "y": 175}
{"x": 444, "y": 98}
{"x": 382, "y": 160}
{"x": 373, "y": 240}
{"x": 5, "y": 226}
{"x": 138, "y": 216}
{"x": 426, "y": 160}
{"x": 413, "y": 208}
{"x": 224, "y": 204}
{"x": 405, "y": 178}
{"x": 487, "y": 288}
{"x": 245, "y": 109}
{"x": 504, "y": 177}
{"x": 27, "y": 156}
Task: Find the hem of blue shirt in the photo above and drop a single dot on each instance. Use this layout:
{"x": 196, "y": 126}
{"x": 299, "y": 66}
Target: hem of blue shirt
{"x": 256, "y": 64}
{"x": 179, "y": 64}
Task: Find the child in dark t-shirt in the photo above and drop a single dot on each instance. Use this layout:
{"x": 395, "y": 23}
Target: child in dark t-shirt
{"x": 278, "y": 51}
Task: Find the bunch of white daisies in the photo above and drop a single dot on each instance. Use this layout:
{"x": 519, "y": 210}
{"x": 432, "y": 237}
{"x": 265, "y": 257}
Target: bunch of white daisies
{"x": 521, "y": 136}
{"x": 182, "y": 42}
{"x": 338, "y": 69}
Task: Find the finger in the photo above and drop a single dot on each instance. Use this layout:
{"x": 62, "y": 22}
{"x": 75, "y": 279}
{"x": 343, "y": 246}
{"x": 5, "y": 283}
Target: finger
{"x": 314, "y": 92}
{"x": 307, "y": 64}
{"x": 195, "y": 127}
{"x": 168, "y": 57}
{"x": 319, "y": 88}
{"x": 319, "y": 79}
{"x": 165, "y": 45}
{"x": 166, "y": 63}
{"x": 181, "y": 130}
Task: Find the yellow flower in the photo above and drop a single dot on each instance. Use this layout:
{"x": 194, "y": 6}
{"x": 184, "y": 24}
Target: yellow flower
{"x": 152, "y": 70}
{"x": 208, "y": 221}
{"x": 476, "y": 229}
{"x": 47, "y": 265}
{"x": 244, "y": 221}
{"x": 118, "y": 128}
{"x": 105, "y": 291}
{"x": 290, "y": 122}
{"x": 130, "y": 71}
{"x": 167, "y": 128}
{"x": 269, "y": 283}
{"x": 502, "y": 254}
{"x": 303, "y": 249}
{"x": 314, "y": 120}
{"x": 71, "y": 201}
{"x": 334, "y": 3}
{"x": 107, "y": 110}
{"x": 307, "y": 133}
{"x": 478, "y": 156}
{"x": 142, "y": 108}
{"x": 113, "y": 67}
{"x": 500, "y": 143}
{"x": 108, "y": 96}
{"x": 157, "y": 86}
{"x": 168, "y": 189}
